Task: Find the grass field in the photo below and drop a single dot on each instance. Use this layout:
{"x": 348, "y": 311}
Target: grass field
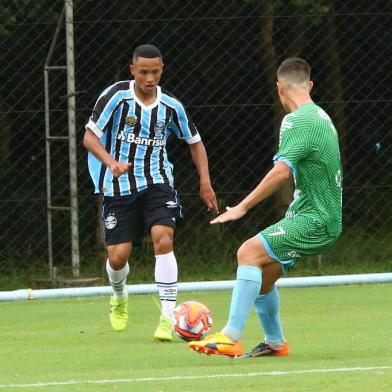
{"x": 341, "y": 340}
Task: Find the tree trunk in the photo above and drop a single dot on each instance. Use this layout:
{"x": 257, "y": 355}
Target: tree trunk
{"x": 335, "y": 77}
{"x": 297, "y": 45}
{"x": 5, "y": 134}
{"x": 269, "y": 67}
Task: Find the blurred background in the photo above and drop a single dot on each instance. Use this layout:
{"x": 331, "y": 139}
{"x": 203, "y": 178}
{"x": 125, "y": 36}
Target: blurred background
{"x": 220, "y": 61}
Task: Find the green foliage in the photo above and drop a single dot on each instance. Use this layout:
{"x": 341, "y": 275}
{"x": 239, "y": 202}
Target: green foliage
{"x": 31, "y": 11}
{"x": 311, "y": 6}
{"x": 13, "y": 12}
{"x": 311, "y": 10}
{"x": 6, "y": 19}
{"x": 314, "y": 10}
{"x": 275, "y": 3}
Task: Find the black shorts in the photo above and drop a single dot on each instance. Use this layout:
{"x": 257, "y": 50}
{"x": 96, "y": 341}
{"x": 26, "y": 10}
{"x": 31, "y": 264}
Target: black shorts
{"x": 125, "y": 217}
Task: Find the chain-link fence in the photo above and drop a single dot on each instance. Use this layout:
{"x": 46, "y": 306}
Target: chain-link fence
{"x": 220, "y": 60}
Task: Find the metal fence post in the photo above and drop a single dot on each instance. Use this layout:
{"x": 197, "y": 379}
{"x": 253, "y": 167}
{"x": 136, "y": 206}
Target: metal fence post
{"x": 72, "y": 136}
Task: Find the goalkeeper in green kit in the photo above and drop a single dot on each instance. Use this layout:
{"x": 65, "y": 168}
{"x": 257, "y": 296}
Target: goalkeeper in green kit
{"x": 309, "y": 155}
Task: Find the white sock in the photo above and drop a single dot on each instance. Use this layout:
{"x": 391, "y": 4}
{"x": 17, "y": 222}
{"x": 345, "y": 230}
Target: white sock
{"x": 118, "y": 280}
{"x": 166, "y": 274}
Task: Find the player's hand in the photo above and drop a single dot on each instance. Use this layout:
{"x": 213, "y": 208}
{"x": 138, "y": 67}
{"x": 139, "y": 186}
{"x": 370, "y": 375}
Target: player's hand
{"x": 232, "y": 213}
{"x": 118, "y": 168}
{"x": 207, "y": 195}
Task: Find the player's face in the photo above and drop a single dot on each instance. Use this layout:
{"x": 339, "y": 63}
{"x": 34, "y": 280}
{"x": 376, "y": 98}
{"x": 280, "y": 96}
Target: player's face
{"x": 147, "y": 73}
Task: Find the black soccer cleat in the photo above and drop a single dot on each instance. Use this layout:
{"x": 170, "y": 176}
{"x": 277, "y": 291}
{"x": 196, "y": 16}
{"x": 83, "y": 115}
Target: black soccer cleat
{"x": 266, "y": 350}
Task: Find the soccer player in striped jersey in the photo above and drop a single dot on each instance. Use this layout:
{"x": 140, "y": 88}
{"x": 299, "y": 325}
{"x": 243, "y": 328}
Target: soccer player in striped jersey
{"x": 126, "y": 138}
{"x": 308, "y": 154}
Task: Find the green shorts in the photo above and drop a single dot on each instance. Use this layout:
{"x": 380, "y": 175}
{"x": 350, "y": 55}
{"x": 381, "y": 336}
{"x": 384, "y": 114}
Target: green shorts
{"x": 291, "y": 238}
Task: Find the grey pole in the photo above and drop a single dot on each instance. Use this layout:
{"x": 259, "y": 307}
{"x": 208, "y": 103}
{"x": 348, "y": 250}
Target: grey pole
{"x": 72, "y": 137}
{"x": 48, "y": 179}
{"x": 47, "y": 141}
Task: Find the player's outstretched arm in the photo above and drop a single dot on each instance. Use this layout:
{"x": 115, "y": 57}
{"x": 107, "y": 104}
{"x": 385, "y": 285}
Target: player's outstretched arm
{"x": 92, "y": 144}
{"x": 273, "y": 180}
{"x": 199, "y": 157}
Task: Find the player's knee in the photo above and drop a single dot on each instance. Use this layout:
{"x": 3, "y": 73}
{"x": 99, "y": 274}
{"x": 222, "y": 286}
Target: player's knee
{"x": 252, "y": 252}
{"x": 118, "y": 255}
{"x": 118, "y": 261}
{"x": 163, "y": 244}
{"x": 244, "y": 254}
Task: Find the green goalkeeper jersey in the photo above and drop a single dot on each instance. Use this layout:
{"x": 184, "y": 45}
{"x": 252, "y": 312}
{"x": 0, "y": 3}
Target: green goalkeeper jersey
{"x": 309, "y": 145}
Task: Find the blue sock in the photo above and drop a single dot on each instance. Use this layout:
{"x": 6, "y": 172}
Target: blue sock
{"x": 245, "y": 291}
{"x": 267, "y": 308}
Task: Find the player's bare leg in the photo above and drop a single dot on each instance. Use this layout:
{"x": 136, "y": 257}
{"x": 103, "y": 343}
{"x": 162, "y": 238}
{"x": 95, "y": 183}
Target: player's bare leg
{"x": 166, "y": 275}
{"x": 117, "y": 268}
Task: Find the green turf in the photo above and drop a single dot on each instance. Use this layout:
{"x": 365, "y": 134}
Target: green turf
{"x": 71, "y": 340}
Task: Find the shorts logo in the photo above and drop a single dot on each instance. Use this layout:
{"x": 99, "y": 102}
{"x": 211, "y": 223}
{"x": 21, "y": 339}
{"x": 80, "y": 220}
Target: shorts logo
{"x": 110, "y": 222}
{"x": 294, "y": 255}
{"x": 281, "y": 231}
{"x": 171, "y": 204}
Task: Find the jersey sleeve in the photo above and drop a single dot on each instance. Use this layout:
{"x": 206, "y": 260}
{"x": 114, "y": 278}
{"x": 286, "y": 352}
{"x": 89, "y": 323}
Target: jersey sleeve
{"x": 293, "y": 143}
{"x": 182, "y": 125}
{"x": 105, "y": 106}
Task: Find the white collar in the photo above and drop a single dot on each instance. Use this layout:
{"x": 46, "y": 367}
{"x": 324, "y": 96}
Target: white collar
{"x": 152, "y": 105}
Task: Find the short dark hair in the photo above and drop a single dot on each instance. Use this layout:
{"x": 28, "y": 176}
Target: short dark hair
{"x": 148, "y": 51}
{"x": 295, "y": 70}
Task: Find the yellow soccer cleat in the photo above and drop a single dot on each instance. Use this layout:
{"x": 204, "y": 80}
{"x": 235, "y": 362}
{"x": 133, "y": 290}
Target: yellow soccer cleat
{"x": 218, "y": 344}
{"x": 118, "y": 312}
{"x": 163, "y": 333}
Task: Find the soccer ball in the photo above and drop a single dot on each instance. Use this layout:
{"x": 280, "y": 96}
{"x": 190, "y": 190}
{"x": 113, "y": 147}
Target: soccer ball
{"x": 191, "y": 321}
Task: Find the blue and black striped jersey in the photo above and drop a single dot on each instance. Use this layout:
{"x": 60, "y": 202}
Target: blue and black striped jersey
{"x": 133, "y": 132}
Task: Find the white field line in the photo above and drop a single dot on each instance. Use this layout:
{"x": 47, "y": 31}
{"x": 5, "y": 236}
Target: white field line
{"x": 199, "y": 377}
